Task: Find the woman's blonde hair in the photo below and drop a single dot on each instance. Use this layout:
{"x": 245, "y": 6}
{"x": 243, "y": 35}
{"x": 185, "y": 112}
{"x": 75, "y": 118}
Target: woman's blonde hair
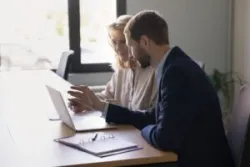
{"x": 119, "y": 25}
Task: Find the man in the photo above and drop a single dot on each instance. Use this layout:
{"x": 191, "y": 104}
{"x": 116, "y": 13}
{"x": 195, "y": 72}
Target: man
{"x": 187, "y": 117}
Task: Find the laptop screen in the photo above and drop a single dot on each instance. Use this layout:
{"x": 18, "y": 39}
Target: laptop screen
{"x": 61, "y": 106}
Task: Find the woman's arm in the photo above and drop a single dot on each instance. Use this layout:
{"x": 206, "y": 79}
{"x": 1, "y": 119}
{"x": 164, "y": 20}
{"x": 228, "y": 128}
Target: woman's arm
{"x": 109, "y": 92}
{"x": 153, "y": 95}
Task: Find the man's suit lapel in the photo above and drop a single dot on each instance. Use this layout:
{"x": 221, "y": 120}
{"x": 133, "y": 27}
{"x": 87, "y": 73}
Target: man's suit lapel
{"x": 175, "y": 53}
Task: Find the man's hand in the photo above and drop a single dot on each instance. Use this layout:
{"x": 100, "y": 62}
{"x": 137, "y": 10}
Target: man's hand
{"x": 84, "y": 99}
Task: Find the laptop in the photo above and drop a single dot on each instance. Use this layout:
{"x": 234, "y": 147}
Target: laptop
{"x": 85, "y": 121}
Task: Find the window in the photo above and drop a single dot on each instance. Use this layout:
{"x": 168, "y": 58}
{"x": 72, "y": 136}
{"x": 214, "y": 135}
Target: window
{"x": 34, "y": 33}
{"x": 92, "y": 52}
{"x": 94, "y": 43}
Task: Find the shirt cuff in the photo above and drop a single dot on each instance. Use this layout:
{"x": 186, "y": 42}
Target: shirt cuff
{"x": 147, "y": 134}
{"x": 105, "y": 110}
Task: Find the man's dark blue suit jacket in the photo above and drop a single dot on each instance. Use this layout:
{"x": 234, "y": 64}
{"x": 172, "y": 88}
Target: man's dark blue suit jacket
{"x": 186, "y": 118}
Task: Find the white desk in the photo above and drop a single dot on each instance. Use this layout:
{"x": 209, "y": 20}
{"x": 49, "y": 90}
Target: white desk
{"x": 27, "y": 135}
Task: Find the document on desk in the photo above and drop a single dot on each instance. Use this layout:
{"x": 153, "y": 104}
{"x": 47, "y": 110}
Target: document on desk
{"x": 101, "y": 146}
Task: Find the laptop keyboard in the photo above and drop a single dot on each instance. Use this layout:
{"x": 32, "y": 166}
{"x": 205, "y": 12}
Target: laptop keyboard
{"x": 81, "y": 116}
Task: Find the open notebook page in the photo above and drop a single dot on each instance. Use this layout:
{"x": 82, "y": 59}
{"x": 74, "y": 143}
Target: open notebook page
{"x": 100, "y": 146}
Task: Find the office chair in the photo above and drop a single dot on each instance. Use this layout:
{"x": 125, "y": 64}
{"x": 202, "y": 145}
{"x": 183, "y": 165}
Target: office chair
{"x": 64, "y": 64}
{"x": 238, "y": 134}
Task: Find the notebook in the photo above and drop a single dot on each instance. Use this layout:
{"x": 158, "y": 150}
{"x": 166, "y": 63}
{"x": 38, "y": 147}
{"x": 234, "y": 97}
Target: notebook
{"x": 102, "y": 146}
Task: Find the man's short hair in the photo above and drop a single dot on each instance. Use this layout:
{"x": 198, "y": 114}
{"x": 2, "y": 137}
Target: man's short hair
{"x": 148, "y": 23}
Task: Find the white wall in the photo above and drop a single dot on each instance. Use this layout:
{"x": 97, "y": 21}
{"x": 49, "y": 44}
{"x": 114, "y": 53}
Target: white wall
{"x": 241, "y": 38}
{"x": 200, "y": 27}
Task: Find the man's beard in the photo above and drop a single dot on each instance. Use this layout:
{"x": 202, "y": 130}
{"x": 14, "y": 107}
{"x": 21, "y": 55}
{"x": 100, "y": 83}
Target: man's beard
{"x": 144, "y": 59}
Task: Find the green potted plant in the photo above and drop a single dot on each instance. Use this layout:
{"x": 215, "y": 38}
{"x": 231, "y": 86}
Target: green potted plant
{"x": 224, "y": 84}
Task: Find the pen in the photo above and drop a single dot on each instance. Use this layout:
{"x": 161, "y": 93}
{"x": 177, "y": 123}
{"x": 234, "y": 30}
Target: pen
{"x": 95, "y": 137}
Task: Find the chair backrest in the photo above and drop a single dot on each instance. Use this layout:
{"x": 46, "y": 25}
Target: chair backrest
{"x": 238, "y": 131}
{"x": 64, "y": 64}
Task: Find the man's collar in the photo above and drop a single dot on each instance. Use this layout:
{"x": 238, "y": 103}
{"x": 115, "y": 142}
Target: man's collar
{"x": 161, "y": 63}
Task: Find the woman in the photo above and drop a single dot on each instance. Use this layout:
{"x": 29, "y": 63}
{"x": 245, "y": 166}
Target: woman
{"x": 131, "y": 86}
